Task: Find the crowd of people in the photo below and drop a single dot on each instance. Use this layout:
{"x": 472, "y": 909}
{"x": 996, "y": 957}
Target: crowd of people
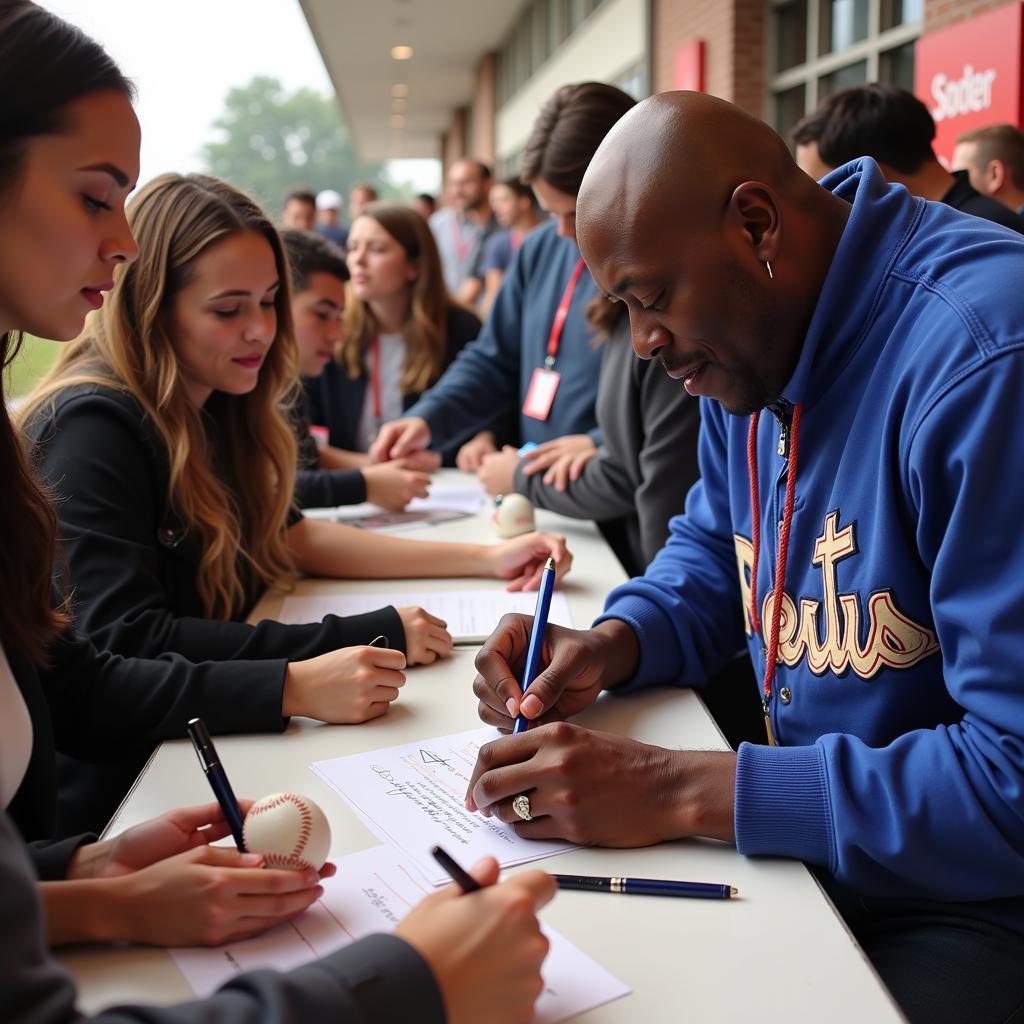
{"x": 850, "y": 562}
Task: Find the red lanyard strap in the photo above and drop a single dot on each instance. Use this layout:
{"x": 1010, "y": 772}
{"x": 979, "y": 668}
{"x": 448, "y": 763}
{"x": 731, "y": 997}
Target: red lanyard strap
{"x": 462, "y": 247}
{"x": 780, "y": 567}
{"x": 555, "y": 338}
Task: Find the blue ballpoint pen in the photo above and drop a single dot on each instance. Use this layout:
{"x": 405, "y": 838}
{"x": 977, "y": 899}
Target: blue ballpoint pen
{"x": 540, "y": 624}
{"x": 217, "y": 778}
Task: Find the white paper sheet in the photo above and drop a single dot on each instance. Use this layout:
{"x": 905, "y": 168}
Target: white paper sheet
{"x": 471, "y": 615}
{"x": 412, "y": 796}
{"x": 371, "y": 892}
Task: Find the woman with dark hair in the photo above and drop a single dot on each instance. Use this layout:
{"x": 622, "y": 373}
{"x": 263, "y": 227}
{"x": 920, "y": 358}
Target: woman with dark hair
{"x": 68, "y": 157}
{"x": 634, "y": 477}
{"x": 401, "y": 330}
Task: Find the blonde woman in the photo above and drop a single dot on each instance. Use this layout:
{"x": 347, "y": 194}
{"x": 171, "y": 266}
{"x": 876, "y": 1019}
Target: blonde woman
{"x": 161, "y": 432}
{"x": 401, "y": 331}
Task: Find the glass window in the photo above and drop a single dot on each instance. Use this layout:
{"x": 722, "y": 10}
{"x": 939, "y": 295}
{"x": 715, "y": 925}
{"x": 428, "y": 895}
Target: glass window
{"x": 896, "y": 66}
{"x": 789, "y": 108}
{"x": 556, "y": 23}
{"x": 843, "y": 23}
{"x": 790, "y": 34}
{"x": 843, "y": 78}
{"x": 901, "y": 12}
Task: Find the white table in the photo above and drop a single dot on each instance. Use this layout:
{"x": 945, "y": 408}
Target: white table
{"x": 777, "y": 953}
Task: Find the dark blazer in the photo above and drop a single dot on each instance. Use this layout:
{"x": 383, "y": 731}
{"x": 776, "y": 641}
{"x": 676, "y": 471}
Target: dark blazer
{"x": 96, "y": 718}
{"x": 336, "y": 400}
{"x": 316, "y": 487}
{"x": 133, "y": 566}
{"x": 379, "y": 978}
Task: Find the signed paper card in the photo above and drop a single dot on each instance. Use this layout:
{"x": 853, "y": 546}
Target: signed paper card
{"x": 412, "y": 796}
{"x": 372, "y": 891}
{"x": 468, "y": 613}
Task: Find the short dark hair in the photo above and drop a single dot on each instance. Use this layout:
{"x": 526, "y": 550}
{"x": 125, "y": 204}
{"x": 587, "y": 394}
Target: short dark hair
{"x": 426, "y": 197}
{"x": 999, "y": 142}
{"x": 884, "y": 122}
{"x": 300, "y": 195}
{"x": 568, "y": 130}
{"x": 310, "y": 253}
{"x": 518, "y": 186}
{"x": 371, "y": 193}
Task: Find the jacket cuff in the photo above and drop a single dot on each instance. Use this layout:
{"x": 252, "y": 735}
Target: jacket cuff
{"x": 782, "y": 803}
{"x": 655, "y": 635}
{"x": 51, "y": 859}
{"x": 354, "y": 630}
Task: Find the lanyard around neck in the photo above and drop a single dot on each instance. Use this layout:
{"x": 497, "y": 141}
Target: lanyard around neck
{"x": 555, "y": 337}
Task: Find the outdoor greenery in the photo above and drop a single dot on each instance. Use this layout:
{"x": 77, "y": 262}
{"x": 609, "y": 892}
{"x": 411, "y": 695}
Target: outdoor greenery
{"x": 31, "y": 362}
{"x": 272, "y": 141}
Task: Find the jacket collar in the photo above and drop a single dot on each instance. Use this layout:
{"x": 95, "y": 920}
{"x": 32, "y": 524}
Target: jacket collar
{"x": 881, "y": 219}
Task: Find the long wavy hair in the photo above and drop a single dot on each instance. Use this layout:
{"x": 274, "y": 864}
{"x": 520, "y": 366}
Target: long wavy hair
{"x": 45, "y": 65}
{"x": 239, "y": 510}
{"x": 426, "y": 324}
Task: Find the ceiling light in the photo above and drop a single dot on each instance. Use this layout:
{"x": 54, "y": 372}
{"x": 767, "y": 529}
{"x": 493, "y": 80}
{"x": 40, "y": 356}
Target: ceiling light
{"x": 401, "y": 52}
{"x": 397, "y": 121}
{"x": 398, "y": 89}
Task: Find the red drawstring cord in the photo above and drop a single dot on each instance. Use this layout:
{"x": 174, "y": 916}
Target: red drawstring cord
{"x": 787, "y": 523}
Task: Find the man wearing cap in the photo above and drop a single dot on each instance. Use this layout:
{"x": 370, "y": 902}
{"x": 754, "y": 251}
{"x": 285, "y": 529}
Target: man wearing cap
{"x": 328, "y": 217}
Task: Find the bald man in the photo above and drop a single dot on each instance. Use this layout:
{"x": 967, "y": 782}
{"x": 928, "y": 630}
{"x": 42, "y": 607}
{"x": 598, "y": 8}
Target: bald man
{"x": 859, "y": 354}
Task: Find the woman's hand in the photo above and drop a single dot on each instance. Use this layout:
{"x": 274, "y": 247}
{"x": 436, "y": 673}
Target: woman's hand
{"x": 522, "y": 559}
{"x": 207, "y": 896}
{"x": 350, "y": 685}
{"x": 392, "y": 487}
{"x": 485, "y": 948}
{"x": 426, "y": 636}
{"x": 157, "y": 839}
{"x": 546, "y": 455}
{"x": 566, "y": 468}
{"x": 471, "y": 454}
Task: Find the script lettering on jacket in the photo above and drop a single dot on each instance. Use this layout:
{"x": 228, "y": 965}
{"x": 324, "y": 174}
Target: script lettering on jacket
{"x": 893, "y": 639}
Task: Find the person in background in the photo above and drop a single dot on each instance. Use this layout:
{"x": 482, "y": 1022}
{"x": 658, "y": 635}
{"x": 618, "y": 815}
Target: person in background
{"x": 993, "y": 158}
{"x": 326, "y": 477}
{"x": 359, "y": 197}
{"x": 460, "y": 227}
{"x": 163, "y": 433}
{"x": 328, "y": 217}
{"x": 857, "y": 353}
{"x": 895, "y": 129}
{"x": 515, "y": 210}
{"x": 299, "y": 210}
{"x": 535, "y": 358}
{"x": 62, "y": 231}
{"x": 401, "y": 329}
{"x": 424, "y": 204}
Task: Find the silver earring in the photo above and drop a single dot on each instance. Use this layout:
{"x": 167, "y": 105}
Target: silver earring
{"x": 771, "y": 276}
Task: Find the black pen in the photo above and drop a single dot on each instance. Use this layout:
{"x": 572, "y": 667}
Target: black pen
{"x": 647, "y": 887}
{"x": 218, "y": 780}
{"x": 460, "y": 876}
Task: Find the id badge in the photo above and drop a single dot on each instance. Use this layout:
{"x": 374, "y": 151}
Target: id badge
{"x": 542, "y": 391}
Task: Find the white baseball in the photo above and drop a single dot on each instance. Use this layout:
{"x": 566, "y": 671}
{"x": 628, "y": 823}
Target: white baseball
{"x": 289, "y": 830}
{"x": 513, "y": 515}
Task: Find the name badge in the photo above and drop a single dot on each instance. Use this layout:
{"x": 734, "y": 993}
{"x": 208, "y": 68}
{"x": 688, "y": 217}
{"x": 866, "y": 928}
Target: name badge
{"x": 541, "y": 394}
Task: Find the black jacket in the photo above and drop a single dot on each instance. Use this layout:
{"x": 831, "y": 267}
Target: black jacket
{"x": 316, "y": 487}
{"x": 103, "y": 715}
{"x": 132, "y": 566}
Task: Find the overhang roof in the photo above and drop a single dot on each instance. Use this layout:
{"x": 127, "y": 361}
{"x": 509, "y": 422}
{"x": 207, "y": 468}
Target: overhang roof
{"x": 448, "y": 38}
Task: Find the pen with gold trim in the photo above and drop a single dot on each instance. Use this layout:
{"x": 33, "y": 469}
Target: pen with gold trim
{"x": 647, "y": 886}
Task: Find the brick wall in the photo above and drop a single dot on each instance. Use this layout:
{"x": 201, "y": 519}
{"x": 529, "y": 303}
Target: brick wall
{"x": 734, "y": 48}
{"x": 940, "y": 13}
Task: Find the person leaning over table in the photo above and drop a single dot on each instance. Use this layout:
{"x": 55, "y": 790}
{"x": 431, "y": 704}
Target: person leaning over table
{"x": 520, "y": 342}
{"x": 162, "y": 431}
{"x": 319, "y": 274}
{"x": 69, "y": 148}
{"x": 863, "y": 540}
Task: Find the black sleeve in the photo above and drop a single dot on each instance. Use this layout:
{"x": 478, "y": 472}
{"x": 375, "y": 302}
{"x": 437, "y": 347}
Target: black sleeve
{"x": 325, "y": 488}
{"x": 51, "y": 858}
{"x": 108, "y": 489}
{"x": 379, "y": 978}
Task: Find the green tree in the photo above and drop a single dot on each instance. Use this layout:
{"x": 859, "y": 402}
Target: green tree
{"x": 272, "y": 141}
